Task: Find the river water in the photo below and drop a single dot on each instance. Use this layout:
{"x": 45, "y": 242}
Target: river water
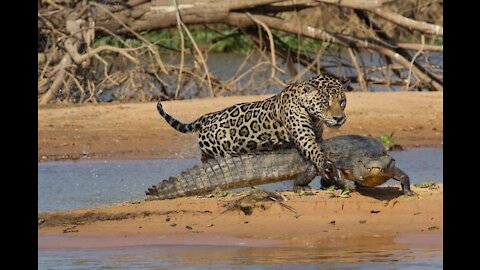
{"x": 198, "y": 257}
{"x": 73, "y": 184}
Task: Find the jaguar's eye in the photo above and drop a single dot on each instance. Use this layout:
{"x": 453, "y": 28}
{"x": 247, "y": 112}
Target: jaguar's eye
{"x": 343, "y": 104}
{"x": 326, "y": 103}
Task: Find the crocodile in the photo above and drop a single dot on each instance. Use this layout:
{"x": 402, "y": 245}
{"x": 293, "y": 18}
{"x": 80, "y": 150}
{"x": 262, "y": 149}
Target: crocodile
{"x": 361, "y": 159}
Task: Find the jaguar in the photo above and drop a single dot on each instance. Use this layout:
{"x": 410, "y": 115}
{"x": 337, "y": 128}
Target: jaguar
{"x": 294, "y": 117}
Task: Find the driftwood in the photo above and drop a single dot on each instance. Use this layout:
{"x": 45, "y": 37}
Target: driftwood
{"x": 72, "y": 69}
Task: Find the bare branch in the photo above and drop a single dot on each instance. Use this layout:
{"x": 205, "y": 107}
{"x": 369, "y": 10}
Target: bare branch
{"x": 413, "y": 61}
{"x": 361, "y": 79}
{"x": 50, "y": 94}
{"x": 424, "y": 47}
{"x": 372, "y": 48}
{"x": 242, "y": 20}
{"x": 272, "y": 46}
{"x": 376, "y": 8}
{"x": 182, "y": 49}
{"x": 79, "y": 58}
{"x": 423, "y": 27}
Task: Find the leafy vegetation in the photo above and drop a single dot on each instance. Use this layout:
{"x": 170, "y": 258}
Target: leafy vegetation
{"x": 387, "y": 140}
{"x": 389, "y": 143}
{"x": 438, "y": 41}
{"x": 427, "y": 184}
{"x": 345, "y": 192}
{"x": 221, "y": 39}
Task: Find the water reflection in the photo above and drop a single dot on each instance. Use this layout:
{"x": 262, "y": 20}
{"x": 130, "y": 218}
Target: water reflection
{"x": 395, "y": 256}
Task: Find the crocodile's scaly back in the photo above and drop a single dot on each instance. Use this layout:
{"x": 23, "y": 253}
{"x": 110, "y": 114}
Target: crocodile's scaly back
{"x": 353, "y": 145}
{"x": 361, "y": 159}
{"x": 231, "y": 172}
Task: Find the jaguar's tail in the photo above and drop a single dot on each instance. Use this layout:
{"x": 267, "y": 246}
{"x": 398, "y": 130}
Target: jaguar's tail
{"x": 185, "y": 128}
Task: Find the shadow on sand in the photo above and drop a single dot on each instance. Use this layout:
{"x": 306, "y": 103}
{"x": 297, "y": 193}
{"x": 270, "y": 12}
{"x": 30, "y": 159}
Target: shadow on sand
{"x": 380, "y": 193}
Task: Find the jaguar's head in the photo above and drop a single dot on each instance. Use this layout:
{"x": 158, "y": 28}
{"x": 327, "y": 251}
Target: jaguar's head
{"x": 324, "y": 99}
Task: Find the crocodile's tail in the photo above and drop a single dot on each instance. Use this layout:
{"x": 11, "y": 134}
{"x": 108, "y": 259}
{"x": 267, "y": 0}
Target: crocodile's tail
{"x": 184, "y": 128}
{"x": 229, "y": 172}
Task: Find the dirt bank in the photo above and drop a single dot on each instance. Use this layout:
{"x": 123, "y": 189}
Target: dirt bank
{"x": 378, "y": 213}
{"x": 136, "y": 131}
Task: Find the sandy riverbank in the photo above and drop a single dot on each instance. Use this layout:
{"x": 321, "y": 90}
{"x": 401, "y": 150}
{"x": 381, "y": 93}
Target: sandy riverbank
{"x": 137, "y": 131}
{"x": 376, "y": 215}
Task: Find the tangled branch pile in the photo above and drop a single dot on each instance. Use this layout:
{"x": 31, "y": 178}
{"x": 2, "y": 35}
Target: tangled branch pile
{"x": 97, "y": 51}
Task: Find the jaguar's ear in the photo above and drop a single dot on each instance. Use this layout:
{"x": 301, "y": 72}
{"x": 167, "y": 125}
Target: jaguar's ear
{"x": 308, "y": 88}
{"x": 345, "y": 82}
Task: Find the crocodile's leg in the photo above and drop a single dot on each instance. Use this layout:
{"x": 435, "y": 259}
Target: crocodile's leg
{"x": 399, "y": 175}
{"x": 337, "y": 180}
{"x": 357, "y": 185}
{"x": 341, "y": 179}
{"x": 303, "y": 180}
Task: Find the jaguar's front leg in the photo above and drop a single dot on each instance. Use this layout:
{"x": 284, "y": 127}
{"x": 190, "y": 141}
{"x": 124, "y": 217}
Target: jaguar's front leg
{"x": 301, "y": 133}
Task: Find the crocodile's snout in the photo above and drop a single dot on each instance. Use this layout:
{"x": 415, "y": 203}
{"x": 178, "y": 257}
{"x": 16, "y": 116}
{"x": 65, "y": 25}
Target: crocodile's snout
{"x": 377, "y": 172}
{"x": 383, "y": 165}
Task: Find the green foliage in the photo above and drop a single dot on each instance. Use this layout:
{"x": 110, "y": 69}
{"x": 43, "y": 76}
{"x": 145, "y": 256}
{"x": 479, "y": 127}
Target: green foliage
{"x": 426, "y": 184}
{"x": 345, "y": 192}
{"x": 165, "y": 39}
{"x": 236, "y": 43}
{"x": 330, "y": 188}
{"x": 107, "y": 40}
{"x": 387, "y": 140}
{"x": 218, "y": 39}
{"x": 389, "y": 143}
{"x": 438, "y": 41}
{"x": 306, "y": 44}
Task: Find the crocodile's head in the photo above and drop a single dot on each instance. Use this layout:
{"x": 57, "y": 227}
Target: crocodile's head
{"x": 370, "y": 172}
